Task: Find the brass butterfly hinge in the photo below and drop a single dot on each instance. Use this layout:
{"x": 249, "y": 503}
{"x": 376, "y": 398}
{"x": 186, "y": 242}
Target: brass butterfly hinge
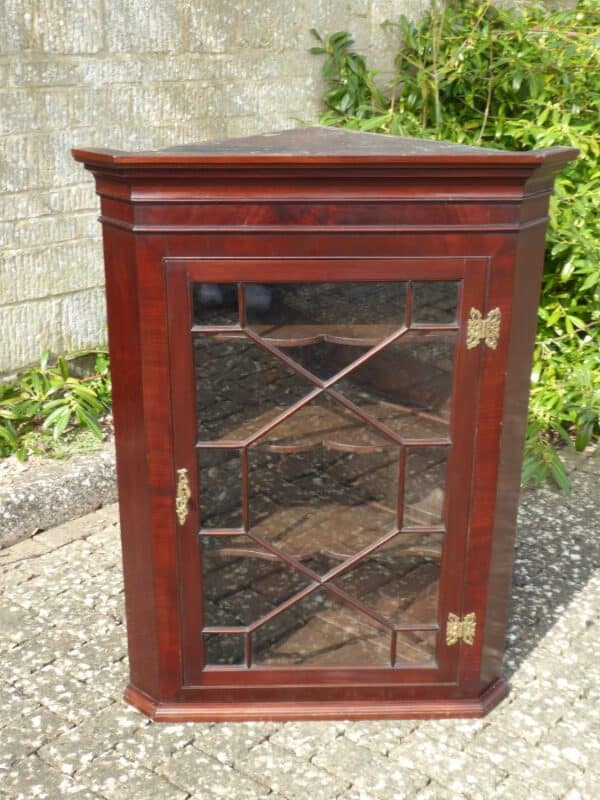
{"x": 182, "y": 496}
{"x": 458, "y": 628}
{"x": 480, "y": 329}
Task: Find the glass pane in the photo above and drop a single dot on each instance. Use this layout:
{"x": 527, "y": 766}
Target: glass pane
{"x": 425, "y": 486}
{"x": 224, "y": 648}
{"x": 415, "y": 647}
{"x": 323, "y": 481}
{"x": 408, "y": 384}
{"x": 220, "y": 488}
{"x": 399, "y": 580}
{"x": 321, "y": 631}
{"x": 240, "y": 387}
{"x": 323, "y": 495}
{"x": 324, "y": 359}
{"x": 215, "y": 304}
{"x": 243, "y": 582}
{"x": 359, "y": 312}
{"x": 435, "y": 301}
{"x": 324, "y": 421}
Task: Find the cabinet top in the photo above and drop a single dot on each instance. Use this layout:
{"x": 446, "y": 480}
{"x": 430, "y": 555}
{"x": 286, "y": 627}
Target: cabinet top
{"x": 320, "y": 145}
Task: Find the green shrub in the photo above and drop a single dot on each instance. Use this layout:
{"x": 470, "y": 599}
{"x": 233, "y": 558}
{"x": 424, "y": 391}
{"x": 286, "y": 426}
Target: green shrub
{"x": 41, "y": 410}
{"x": 513, "y": 78}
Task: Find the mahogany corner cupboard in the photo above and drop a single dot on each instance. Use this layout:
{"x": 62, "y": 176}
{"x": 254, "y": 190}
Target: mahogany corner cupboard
{"x": 321, "y": 344}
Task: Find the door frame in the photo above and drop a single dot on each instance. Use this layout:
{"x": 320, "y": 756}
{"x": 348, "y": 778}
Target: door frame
{"x": 179, "y": 274}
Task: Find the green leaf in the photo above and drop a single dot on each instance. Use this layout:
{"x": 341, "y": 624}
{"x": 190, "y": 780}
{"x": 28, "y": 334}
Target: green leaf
{"x": 558, "y": 472}
{"x": 63, "y": 368}
{"x": 89, "y": 421}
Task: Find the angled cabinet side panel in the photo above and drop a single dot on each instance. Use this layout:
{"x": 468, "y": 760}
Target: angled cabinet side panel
{"x": 528, "y": 268}
{"x": 488, "y": 422}
{"x": 128, "y": 414}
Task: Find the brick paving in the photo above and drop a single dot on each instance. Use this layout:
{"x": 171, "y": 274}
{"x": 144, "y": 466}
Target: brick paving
{"x": 65, "y": 732}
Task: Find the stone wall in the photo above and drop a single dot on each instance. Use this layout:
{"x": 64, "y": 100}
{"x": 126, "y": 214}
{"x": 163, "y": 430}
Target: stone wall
{"x": 133, "y": 74}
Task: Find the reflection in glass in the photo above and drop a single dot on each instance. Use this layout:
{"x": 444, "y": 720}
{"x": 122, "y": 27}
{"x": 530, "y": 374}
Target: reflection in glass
{"x": 414, "y": 374}
{"x": 224, "y": 648}
{"x": 425, "y": 486}
{"x": 435, "y": 301}
{"x": 324, "y": 421}
{"x": 322, "y": 631}
{"x": 399, "y": 580}
{"x": 240, "y": 387}
{"x": 243, "y": 582}
{"x": 220, "y": 488}
{"x": 215, "y": 303}
{"x": 415, "y": 647}
{"x": 368, "y": 311}
{"x": 325, "y": 359}
{"x": 323, "y": 503}
{"x": 322, "y": 484}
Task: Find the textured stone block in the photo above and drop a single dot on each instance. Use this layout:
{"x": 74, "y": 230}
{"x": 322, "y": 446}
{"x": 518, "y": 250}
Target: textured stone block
{"x": 33, "y": 70}
{"x": 58, "y": 323}
{"x": 291, "y": 94}
{"x": 28, "y": 205}
{"x": 212, "y": 27}
{"x": 69, "y": 27}
{"x": 16, "y": 26}
{"x": 142, "y": 26}
{"x": 40, "y": 271}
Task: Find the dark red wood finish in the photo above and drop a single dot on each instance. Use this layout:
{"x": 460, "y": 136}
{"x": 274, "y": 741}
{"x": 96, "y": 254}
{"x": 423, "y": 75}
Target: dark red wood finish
{"x": 315, "y": 204}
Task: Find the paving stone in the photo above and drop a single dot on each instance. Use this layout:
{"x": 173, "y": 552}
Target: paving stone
{"x": 28, "y": 733}
{"x": 200, "y": 774}
{"x": 16, "y": 625}
{"x": 456, "y": 771}
{"x": 63, "y": 694}
{"x": 31, "y": 778}
{"x": 586, "y": 708}
{"x": 576, "y": 741}
{"x": 515, "y": 788}
{"x": 586, "y": 785}
{"x": 72, "y": 531}
{"x": 529, "y": 721}
{"x": 116, "y": 778}
{"x": 80, "y": 745}
{"x": 355, "y": 793}
{"x": 231, "y": 743}
{"x": 20, "y": 552}
{"x": 17, "y": 574}
{"x": 13, "y": 704}
{"x": 433, "y": 791}
{"x": 293, "y": 778}
{"x": 150, "y": 744}
{"x": 555, "y": 775}
{"x": 305, "y": 739}
{"x": 83, "y": 661}
{"x": 502, "y": 749}
{"x": 453, "y": 732}
{"x": 107, "y": 538}
{"x": 378, "y": 735}
{"x": 573, "y": 794}
{"x": 50, "y": 645}
{"x": 370, "y": 771}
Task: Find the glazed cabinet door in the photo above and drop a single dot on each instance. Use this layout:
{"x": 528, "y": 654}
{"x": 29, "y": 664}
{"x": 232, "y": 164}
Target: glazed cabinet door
{"x": 323, "y": 427}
